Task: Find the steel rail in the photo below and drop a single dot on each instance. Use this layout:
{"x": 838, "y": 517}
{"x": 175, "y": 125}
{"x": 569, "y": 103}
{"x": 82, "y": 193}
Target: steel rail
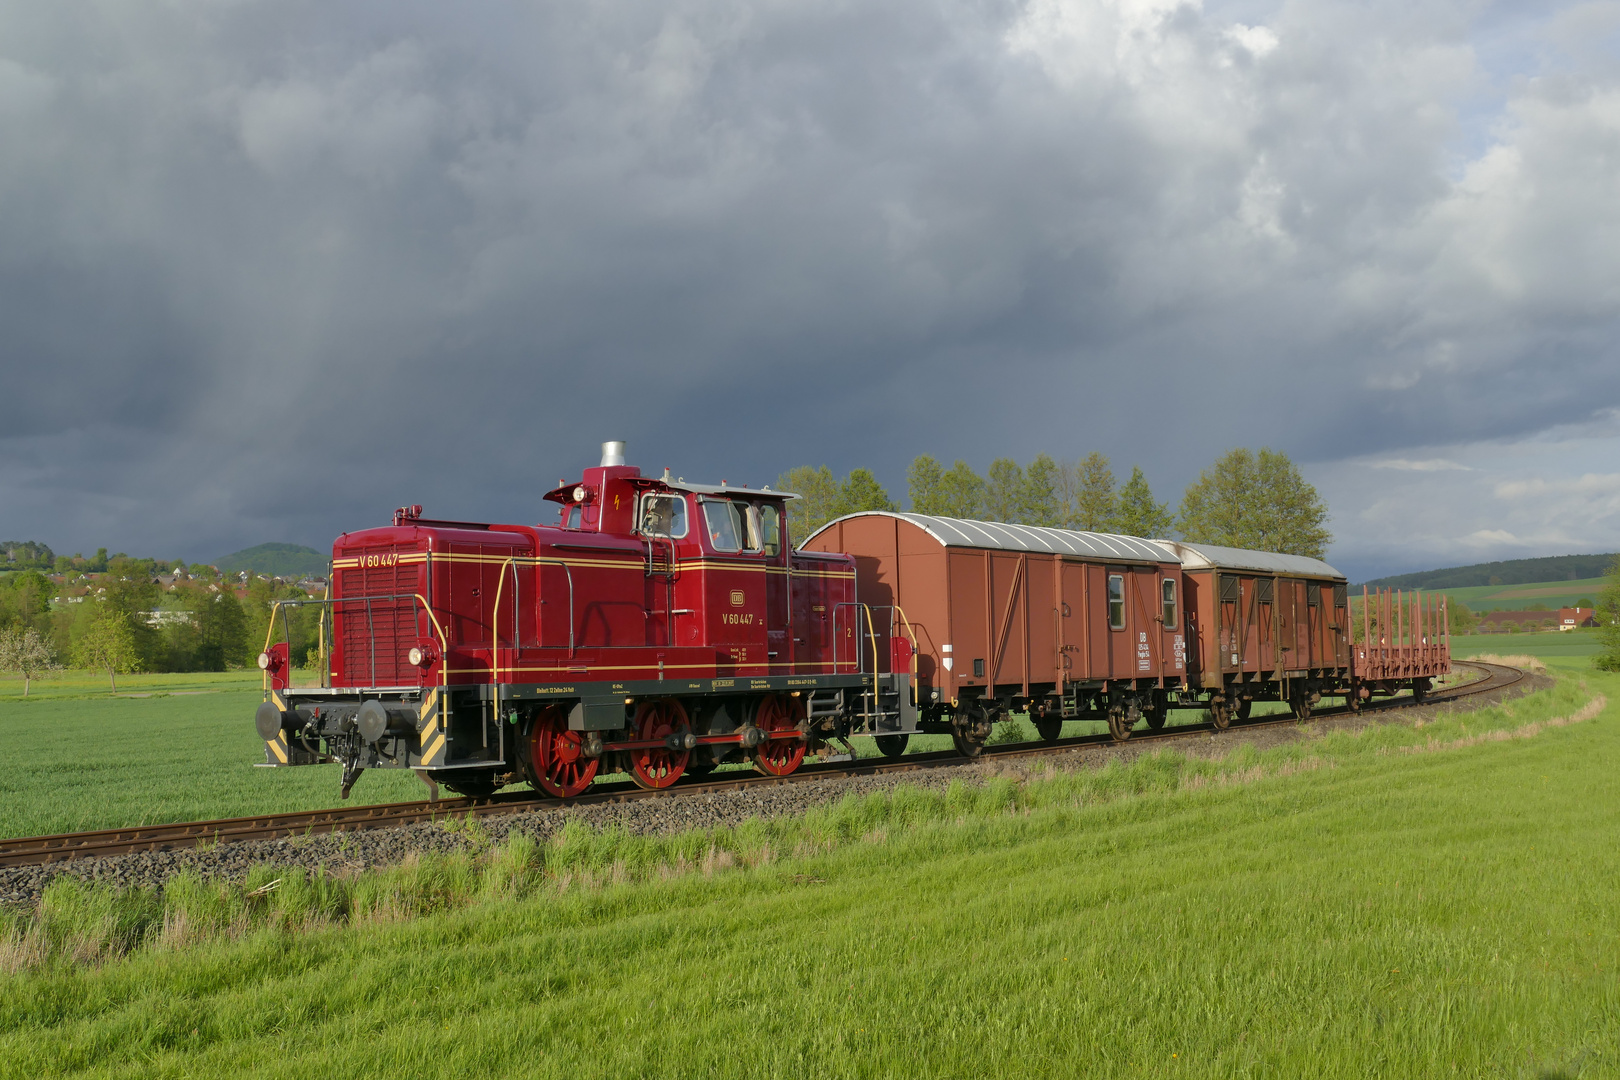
{"x": 101, "y": 843}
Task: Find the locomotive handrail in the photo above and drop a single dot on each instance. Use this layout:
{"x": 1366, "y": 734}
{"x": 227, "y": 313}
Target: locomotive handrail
{"x": 371, "y": 633}
{"x": 910, "y": 633}
{"x": 872, "y": 633}
{"x": 517, "y": 635}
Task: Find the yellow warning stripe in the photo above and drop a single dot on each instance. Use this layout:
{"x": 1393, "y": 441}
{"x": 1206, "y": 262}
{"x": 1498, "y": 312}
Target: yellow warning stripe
{"x": 278, "y": 746}
{"x": 599, "y": 564}
{"x": 609, "y": 666}
{"x": 432, "y": 749}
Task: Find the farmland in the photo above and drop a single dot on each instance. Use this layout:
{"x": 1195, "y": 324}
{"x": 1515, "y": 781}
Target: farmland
{"x": 1395, "y": 903}
{"x": 81, "y": 758}
{"x": 1553, "y": 594}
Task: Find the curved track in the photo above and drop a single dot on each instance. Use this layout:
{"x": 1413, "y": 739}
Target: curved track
{"x": 33, "y": 850}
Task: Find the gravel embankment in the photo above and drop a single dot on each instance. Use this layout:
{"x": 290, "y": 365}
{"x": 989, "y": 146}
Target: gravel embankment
{"x": 351, "y": 852}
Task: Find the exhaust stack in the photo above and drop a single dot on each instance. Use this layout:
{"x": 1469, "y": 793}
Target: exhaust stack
{"x": 613, "y": 453}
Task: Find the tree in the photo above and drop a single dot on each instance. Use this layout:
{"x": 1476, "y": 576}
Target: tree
{"x": 817, "y": 503}
{"x": 1137, "y": 513}
{"x": 25, "y": 599}
{"x": 108, "y": 645}
{"x": 961, "y": 492}
{"x": 861, "y": 491}
{"x": 1460, "y": 618}
{"x": 1042, "y": 484}
{"x": 1608, "y": 620}
{"x": 1004, "y": 491}
{"x": 24, "y": 651}
{"x": 1255, "y": 501}
{"x": 923, "y": 480}
{"x": 1094, "y": 501}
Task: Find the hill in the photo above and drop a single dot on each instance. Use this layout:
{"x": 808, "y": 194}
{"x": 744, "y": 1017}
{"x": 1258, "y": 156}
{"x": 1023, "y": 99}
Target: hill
{"x": 1545, "y": 571}
{"x": 1551, "y": 595}
{"x": 277, "y": 560}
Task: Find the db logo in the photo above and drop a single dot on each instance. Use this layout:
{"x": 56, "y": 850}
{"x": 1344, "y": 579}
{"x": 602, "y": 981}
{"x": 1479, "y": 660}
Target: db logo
{"x": 737, "y": 598}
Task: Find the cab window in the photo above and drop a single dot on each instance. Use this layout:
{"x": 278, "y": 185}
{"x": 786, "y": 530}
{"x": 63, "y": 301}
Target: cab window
{"x": 1116, "y": 601}
{"x": 770, "y": 521}
{"x": 721, "y": 518}
{"x": 1168, "y": 588}
{"x": 663, "y": 515}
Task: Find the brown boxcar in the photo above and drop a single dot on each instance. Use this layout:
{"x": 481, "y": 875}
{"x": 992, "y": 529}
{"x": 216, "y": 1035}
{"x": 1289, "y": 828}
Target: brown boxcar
{"x": 1263, "y": 626}
{"x": 1070, "y": 624}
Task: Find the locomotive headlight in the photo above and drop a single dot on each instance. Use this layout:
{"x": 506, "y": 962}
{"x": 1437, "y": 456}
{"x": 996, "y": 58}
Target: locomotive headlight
{"x": 264, "y": 661}
{"x": 579, "y": 493}
{"x": 417, "y": 656}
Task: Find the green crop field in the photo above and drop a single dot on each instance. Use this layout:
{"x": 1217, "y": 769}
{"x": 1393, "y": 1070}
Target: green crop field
{"x": 1554, "y": 594}
{"x": 82, "y": 758}
{"x": 1399, "y": 903}
{"x": 1575, "y": 647}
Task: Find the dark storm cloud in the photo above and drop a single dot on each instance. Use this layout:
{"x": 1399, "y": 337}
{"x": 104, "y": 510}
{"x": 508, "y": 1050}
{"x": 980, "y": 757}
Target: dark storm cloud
{"x": 270, "y": 270}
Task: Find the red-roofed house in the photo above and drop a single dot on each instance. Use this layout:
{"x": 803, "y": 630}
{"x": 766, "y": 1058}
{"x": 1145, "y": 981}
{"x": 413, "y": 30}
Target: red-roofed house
{"x": 1571, "y": 617}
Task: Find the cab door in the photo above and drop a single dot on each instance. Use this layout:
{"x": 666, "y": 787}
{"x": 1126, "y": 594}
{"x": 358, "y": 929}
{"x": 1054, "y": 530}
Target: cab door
{"x": 778, "y": 609}
{"x": 734, "y": 585}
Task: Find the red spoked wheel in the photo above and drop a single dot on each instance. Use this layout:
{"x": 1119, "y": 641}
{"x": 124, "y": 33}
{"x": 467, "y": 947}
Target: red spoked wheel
{"x": 556, "y": 760}
{"x": 778, "y": 757}
{"x": 659, "y": 767}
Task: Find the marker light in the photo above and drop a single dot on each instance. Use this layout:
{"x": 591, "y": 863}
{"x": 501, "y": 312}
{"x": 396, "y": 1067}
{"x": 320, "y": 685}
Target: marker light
{"x": 264, "y": 661}
{"x": 579, "y": 493}
{"x": 417, "y": 656}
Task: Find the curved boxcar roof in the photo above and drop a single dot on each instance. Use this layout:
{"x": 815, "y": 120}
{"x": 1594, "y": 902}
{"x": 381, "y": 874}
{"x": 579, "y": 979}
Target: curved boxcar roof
{"x": 1206, "y": 556}
{"x": 959, "y": 532}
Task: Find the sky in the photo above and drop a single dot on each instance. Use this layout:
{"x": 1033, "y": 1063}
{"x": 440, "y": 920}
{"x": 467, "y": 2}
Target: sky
{"x": 269, "y": 270}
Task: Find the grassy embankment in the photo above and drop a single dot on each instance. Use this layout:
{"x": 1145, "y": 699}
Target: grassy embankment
{"x": 1397, "y": 903}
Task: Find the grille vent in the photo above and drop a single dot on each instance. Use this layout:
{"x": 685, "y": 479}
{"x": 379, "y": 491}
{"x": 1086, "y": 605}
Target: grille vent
{"x": 374, "y": 647}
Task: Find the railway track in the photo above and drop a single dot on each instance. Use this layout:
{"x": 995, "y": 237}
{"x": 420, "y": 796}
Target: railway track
{"x": 35, "y": 850}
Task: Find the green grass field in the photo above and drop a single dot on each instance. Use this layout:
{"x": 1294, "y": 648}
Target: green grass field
{"x": 1574, "y": 648}
{"x": 1399, "y": 903}
{"x": 82, "y": 758}
{"x": 1554, "y": 594}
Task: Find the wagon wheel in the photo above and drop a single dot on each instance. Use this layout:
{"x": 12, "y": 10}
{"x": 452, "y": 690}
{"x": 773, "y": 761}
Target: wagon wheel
{"x": 659, "y": 767}
{"x": 778, "y": 757}
{"x": 1220, "y": 713}
{"x": 1048, "y": 726}
{"x": 1299, "y": 703}
{"x": 1121, "y": 719}
{"x": 1420, "y": 690}
{"x": 970, "y": 727}
{"x": 893, "y": 746}
{"x": 1157, "y": 713}
{"x": 555, "y": 760}
{"x": 1241, "y": 707}
{"x": 966, "y": 746}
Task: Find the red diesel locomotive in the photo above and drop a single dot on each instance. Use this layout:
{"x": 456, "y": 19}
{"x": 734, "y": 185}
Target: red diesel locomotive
{"x": 661, "y": 627}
